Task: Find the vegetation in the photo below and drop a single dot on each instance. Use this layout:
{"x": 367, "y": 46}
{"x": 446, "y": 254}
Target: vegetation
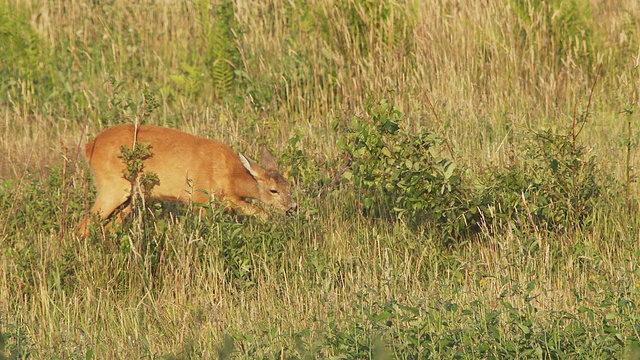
{"x": 465, "y": 175}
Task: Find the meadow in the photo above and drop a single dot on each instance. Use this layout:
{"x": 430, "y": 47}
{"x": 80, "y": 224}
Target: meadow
{"x": 465, "y": 173}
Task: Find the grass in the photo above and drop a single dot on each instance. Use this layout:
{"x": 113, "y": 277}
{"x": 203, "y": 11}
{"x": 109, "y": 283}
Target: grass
{"x": 545, "y": 274}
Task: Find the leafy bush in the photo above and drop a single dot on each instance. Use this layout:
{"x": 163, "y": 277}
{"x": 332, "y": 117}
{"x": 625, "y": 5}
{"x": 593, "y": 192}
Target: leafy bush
{"x": 400, "y": 175}
{"x": 512, "y": 327}
{"x": 14, "y": 342}
{"x": 403, "y": 175}
{"x": 554, "y": 186}
{"x": 40, "y": 200}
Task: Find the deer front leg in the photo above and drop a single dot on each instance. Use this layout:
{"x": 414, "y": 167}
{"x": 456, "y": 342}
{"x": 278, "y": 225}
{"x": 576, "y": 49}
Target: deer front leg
{"x": 244, "y": 208}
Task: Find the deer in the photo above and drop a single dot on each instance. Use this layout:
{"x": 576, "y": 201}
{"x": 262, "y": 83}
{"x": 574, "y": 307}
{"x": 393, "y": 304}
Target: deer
{"x": 189, "y": 169}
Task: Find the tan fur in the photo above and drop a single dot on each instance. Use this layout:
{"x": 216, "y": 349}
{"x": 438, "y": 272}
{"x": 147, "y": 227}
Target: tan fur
{"x": 189, "y": 168}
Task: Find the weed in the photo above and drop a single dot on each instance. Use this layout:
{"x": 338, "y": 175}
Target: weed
{"x": 23, "y": 54}
{"x": 222, "y": 53}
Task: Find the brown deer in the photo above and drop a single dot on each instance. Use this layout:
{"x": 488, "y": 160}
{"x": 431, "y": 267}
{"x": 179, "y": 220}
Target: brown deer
{"x": 189, "y": 169}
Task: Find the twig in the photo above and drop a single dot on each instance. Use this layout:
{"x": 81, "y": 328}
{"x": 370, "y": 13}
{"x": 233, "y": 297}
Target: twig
{"x": 586, "y": 115}
{"x": 335, "y": 180}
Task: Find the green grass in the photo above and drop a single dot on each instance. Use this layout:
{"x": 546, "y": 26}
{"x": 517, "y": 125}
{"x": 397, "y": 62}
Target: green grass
{"x": 526, "y": 248}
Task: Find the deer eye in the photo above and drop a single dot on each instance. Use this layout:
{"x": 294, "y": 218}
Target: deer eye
{"x": 273, "y": 191}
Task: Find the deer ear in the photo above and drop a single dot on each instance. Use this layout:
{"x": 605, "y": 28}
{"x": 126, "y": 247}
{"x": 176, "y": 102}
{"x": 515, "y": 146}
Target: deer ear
{"x": 248, "y": 165}
{"x": 268, "y": 161}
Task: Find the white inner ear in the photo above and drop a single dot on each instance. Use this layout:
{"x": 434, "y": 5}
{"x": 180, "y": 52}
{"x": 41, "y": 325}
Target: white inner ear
{"x": 247, "y": 165}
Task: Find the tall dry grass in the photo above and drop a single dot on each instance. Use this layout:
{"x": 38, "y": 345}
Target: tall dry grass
{"x": 491, "y": 69}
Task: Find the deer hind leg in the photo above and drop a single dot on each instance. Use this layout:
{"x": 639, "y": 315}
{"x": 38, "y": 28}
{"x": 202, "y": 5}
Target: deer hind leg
{"x": 107, "y": 201}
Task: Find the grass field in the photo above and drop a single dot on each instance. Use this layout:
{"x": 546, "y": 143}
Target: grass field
{"x": 465, "y": 174}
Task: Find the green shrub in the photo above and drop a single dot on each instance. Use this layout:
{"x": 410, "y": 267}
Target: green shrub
{"x": 40, "y": 200}
{"x": 14, "y": 342}
{"x": 402, "y": 175}
{"x": 554, "y": 186}
{"x": 380, "y": 329}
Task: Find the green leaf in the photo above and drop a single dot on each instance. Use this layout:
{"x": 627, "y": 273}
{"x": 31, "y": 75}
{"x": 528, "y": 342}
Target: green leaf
{"x": 408, "y": 163}
{"x": 382, "y": 316}
{"x": 448, "y": 171}
{"x": 525, "y": 329}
